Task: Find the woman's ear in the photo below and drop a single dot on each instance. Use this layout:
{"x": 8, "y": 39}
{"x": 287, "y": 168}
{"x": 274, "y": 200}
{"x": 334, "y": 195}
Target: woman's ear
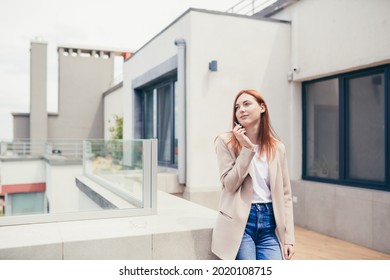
{"x": 262, "y": 108}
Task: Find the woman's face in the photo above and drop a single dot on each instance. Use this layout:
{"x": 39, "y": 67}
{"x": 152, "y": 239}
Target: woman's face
{"x": 248, "y": 110}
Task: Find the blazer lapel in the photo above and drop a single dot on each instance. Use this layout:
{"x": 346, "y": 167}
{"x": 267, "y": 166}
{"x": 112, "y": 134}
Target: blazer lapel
{"x": 273, "y": 168}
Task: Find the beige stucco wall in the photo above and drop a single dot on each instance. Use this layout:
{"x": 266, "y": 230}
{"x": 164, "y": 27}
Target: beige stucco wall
{"x": 21, "y": 126}
{"x": 82, "y": 80}
{"x": 38, "y": 91}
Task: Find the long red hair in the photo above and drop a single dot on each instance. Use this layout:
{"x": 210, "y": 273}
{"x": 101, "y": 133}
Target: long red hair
{"x": 266, "y": 138}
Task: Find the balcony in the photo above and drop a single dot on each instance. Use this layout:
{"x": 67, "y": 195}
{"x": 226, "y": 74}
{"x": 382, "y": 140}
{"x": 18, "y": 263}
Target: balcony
{"x": 112, "y": 175}
{"x": 106, "y": 206}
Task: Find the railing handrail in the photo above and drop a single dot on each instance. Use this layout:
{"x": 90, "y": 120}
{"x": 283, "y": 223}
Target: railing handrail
{"x": 26, "y": 147}
{"x": 249, "y": 7}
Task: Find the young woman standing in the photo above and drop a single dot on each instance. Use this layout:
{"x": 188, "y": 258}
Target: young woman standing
{"x": 255, "y": 219}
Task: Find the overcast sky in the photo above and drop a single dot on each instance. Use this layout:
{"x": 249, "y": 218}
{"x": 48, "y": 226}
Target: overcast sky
{"x": 118, "y": 24}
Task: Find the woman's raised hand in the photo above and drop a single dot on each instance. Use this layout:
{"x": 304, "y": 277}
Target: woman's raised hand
{"x": 239, "y": 132}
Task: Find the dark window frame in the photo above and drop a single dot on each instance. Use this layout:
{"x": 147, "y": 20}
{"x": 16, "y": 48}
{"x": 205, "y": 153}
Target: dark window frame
{"x": 343, "y": 129}
{"x": 141, "y": 93}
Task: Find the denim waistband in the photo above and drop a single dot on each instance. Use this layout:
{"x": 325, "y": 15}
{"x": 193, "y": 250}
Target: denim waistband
{"x": 267, "y": 205}
{"x": 260, "y": 203}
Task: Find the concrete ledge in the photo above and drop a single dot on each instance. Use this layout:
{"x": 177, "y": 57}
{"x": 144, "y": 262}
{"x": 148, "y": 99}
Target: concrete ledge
{"x": 180, "y": 230}
{"x": 104, "y": 198}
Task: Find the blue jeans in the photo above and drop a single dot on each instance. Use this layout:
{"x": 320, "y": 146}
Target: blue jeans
{"x": 259, "y": 241}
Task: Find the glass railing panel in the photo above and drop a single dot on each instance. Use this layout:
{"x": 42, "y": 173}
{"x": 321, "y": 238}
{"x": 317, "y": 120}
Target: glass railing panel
{"x": 117, "y": 166}
{"x": 115, "y": 178}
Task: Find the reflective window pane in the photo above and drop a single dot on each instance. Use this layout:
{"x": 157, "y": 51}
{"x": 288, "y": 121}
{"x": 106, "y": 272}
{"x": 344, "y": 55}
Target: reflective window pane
{"x": 176, "y": 128}
{"x": 26, "y": 203}
{"x": 164, "y": 123}
{"x": 322, "y": 129}
{"x": 149, "y": 115}
{"x": 366, "y": 128}
{"x": 158, "y": 120}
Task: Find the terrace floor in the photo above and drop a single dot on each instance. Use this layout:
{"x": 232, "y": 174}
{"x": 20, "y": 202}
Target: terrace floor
{"x": 311, "y": 245}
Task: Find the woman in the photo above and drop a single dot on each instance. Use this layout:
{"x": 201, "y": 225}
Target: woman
{"x": 255, "y": 219}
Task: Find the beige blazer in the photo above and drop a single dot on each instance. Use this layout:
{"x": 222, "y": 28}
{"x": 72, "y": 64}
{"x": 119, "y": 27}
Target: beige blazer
{"x": 236, "y": 197}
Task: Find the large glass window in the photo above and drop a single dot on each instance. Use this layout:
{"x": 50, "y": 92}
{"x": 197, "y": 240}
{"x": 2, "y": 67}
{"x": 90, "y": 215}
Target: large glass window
{"x": 158, "y": 119}
{"x": 345, "y": 127}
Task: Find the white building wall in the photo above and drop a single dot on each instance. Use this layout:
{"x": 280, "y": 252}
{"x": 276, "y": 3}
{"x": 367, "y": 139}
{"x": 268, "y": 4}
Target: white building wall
{"x": 22, "y": 172}
{"x": 156, "y": 51}
{"x": 113, "y": 106}
{"x": 333, "y": 36}
{"x": 61, "y": 189}
{"x": 251, "y": 54}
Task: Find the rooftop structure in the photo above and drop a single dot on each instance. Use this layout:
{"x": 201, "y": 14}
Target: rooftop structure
{"x": 85, "y": 73}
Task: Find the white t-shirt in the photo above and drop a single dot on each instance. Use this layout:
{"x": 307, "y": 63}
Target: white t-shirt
{"x": 260, "y": 178}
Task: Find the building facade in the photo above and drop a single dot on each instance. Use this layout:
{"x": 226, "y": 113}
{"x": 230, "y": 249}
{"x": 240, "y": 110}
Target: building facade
{"x": 323, "y": 71}
{"x": 84, "y": 74}
{"x": 325, "y": 76}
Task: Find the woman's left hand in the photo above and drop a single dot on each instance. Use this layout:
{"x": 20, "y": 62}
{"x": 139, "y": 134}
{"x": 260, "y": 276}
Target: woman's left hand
{"x": 288, "y": 251}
